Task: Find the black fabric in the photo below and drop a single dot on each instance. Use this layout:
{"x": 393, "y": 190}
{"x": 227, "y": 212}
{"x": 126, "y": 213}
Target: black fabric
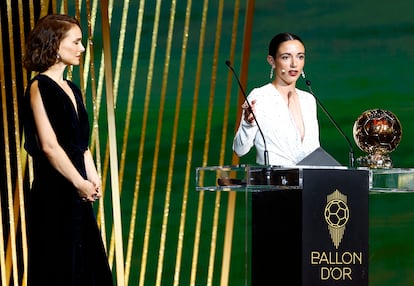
{"x": 65, "y": 246}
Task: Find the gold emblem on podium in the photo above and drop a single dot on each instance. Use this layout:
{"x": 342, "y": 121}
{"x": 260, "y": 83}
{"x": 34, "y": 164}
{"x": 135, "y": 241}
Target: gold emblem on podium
{"x": 336, "y": 216}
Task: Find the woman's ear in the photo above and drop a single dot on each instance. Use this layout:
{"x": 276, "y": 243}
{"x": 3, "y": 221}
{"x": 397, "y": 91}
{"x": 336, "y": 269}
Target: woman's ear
{"x": 271, "y": 61}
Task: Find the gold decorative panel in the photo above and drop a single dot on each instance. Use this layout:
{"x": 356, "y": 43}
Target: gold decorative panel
{"x": 161, "y": 103}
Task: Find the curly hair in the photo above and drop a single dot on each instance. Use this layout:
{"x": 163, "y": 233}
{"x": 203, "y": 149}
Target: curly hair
{"x": 43, "y": 42}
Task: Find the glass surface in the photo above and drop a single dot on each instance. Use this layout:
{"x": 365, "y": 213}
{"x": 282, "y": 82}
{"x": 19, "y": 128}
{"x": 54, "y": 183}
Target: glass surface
{"x": 387, "y": 188}
{"x": 391, "y": 180}
{"x": 251, "y": 178}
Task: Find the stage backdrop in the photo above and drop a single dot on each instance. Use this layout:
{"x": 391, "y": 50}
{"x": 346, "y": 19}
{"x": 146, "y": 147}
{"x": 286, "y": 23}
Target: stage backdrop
{"x": 163, "y": 102}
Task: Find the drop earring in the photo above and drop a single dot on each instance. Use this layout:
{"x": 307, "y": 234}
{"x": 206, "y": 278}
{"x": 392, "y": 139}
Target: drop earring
{"x": 303, "y": 74}
{"x": 271, "y": 72}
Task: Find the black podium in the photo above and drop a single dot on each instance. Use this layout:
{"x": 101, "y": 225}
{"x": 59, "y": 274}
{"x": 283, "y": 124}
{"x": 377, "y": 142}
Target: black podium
{"x": 309, "y": 225}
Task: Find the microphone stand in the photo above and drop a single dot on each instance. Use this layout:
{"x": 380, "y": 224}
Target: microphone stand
{"x": 351, "y": 150}
{"x": 266, "y": 153}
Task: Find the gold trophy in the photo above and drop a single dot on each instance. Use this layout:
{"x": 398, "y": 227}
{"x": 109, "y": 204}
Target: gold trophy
{"x": 378, "y": 133}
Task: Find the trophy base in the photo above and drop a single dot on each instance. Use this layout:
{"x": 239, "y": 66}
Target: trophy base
{"x": 375, "y": 161}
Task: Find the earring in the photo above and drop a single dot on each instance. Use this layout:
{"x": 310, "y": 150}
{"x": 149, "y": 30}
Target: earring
{"x": 271, "y": 72}
{"x": 303, "y": 74}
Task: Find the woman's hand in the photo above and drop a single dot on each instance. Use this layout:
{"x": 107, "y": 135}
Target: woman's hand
{"x": 88, "y": 191}
{"x": 98, "y": 193}
{"x": 92, "y": 174}
{"x": 248, "y": 111}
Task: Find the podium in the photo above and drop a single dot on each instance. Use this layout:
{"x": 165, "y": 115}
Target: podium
{"x": 309, "y": 226}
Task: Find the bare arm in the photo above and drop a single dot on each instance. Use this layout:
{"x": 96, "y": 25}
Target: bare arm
{"x": 92, "y": 173}
{"x": 53, "y": 151}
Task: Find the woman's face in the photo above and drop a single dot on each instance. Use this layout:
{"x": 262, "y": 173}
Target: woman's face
{"x": 71, "y": 48}
{"x": 289, "y": 61}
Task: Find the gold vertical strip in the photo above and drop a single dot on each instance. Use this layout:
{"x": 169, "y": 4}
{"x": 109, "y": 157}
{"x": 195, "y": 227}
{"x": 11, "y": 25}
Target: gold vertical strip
{"x": 87, "y": 62}
{"x": 95, "y": 139}
{"x": 121, "y": 43}
{"x": 231, "y": 202}
{"x": 31, "y": 12}
{"x": 173, "y": 145}
{"x": 63, "y": 7}
{"x": 20, "y": 154}
{"x": 3, "y": 270}
{"x": 106, "y": 165}
{"x": 13, "y": 210}
{"x": 112, "y": 145}
{"x": 213, "y": 243}
{"x": 190, "y": 147}
{"x": 91, "y": 68}
{"x": 95, "y": 109}
{"x": 228, "y": 238}
{"x": 82, "y": 59}
{"x": 157, "y": 144}
{"x": 247, "y": 37}
{"x": 131, "y": 93}
{"x": 30, "y": 160}
{"x": 95, "y": 136}
{"x": 54, "y": 6}
{"x": 88, "y": 69}
{"x": 118, "y": 67}
{"x": 147, "y": 100}
{"x": 3, "y": 277}
{"x": 229, "y": 80}
{"x": 44, "y": 7}
{"x": 26, "y": 160}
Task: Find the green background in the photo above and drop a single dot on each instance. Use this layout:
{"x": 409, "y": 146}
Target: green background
{"x": 359, "y": 56}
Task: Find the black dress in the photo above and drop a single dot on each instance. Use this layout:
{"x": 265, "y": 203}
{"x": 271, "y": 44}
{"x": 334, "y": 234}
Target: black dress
{"x": 65, "y": 245}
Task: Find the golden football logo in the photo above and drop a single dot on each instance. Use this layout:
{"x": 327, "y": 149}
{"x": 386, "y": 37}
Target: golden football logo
{"x": 336, "y": 216}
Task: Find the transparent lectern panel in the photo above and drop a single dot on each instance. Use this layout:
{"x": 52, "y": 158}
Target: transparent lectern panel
{"x": 262, "y": 178}
{"x": 392, "y": 180}
{"x": 250, "y": 178}
{"x": 221, "y": 178}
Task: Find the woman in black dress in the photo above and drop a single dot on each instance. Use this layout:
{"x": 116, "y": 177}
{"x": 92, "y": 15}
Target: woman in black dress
{"x": 65, "y": 245}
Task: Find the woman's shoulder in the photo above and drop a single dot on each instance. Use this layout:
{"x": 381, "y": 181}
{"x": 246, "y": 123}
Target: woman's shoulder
{"x": 45, "y": 87}
{"x": 265, "y": 87}
{"x": 39, "y": 81}
{"x": 41, "y": 78}
{"x": 33, "y": 84}
{"x": 263, "y": 90}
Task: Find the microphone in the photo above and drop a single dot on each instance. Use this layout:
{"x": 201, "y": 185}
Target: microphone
{"x": 351, "y": 150}
{"x": 266, "y": 153}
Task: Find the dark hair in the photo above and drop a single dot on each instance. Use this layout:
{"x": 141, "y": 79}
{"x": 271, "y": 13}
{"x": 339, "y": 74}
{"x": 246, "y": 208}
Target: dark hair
{"x": 280, "y": 38}
{"x": 43, "y": 42}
